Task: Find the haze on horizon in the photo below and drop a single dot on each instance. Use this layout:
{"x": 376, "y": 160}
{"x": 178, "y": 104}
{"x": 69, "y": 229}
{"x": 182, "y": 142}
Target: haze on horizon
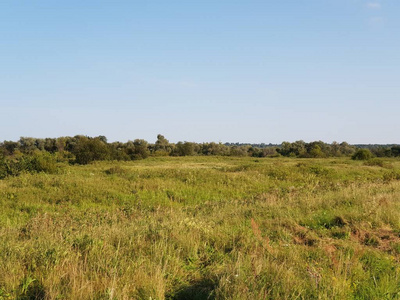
{"x": 231, "y": 71}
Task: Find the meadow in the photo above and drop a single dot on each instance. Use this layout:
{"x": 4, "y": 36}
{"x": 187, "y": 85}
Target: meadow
{"x": 203, "y": 228}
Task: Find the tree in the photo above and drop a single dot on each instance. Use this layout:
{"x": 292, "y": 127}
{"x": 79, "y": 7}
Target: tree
{"x": 118, "y": 151}
{"x": 9, "y": 147}
{"x": 184, "y": 149}
{"x": 316, "y": 151}
{"x": 27, "y": 144}
{"x": 297, "y": 148}
{"x": 162, "y": 146}
{"x": 40, "y": 143}
{"x": 335, "y": 149}
{"x": 141, "y": 149}
{"x": 214, "y": 149}
{"x": 346, "y": 149}
{"x": 239, "y": 150}
{"x": 395, "y": 150}
{"x": 50, "y": 145}
{"x": 102, "y": 138}
{"x": 88, "y": 149}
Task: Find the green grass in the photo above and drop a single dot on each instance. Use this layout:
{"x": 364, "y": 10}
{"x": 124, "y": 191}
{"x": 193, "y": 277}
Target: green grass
{"x": 203, "y": 228}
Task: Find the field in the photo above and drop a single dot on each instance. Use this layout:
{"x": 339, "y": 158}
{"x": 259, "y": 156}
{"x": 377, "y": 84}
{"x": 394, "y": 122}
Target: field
{"x": 203, "y": 228}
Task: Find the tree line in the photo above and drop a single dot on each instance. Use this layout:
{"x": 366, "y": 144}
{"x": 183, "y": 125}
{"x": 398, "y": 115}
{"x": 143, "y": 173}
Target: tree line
{"x": 33, "y": 154}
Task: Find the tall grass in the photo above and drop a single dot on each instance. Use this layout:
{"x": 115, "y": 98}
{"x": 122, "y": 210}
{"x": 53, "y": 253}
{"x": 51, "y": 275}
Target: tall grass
{"x": 203, "y": 228}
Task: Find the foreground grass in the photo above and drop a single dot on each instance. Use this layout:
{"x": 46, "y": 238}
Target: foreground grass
{"x": 203, "y": 228}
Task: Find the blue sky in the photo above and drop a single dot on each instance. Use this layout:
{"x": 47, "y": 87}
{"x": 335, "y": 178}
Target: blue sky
{"x": 229, "y": 71}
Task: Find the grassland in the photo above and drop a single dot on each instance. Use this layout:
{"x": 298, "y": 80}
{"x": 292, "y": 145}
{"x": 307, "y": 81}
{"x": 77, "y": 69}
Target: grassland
{"x": 203, "y": 228}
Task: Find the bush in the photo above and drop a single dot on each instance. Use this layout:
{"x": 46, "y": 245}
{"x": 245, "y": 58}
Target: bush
{"x": 11, "y": 167}
{"x": 393, "y": 175}
{"x": 362, "y": 154}
{"x": 87, "y": 150}
{"x": 34, "y": 163}
{"x": 376, "y": 162}
{"x": 41, "y": 162}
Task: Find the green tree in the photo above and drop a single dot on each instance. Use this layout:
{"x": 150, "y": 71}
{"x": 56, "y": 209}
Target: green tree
{"x": 316, "y": 151}
{"x": 141, "y": 149}
{"x": 9, "y": 147}
{"x": 50, "y": 145}
{"x": 184, "y": 149}
{"x": 297, "y": 148}
{"x": 346, "y": 149}
{"x": 88, "y": 149}
{"x": 162, "y": 145}
{"x": 395, "y": 151}
{"x": 27, "y": 144}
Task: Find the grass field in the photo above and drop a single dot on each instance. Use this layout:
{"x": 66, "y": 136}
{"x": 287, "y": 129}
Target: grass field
{"x": 203, "y": 228}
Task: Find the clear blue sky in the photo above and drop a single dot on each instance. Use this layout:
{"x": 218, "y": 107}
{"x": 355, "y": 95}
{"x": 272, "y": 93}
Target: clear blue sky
{"x": 225, "y": 70}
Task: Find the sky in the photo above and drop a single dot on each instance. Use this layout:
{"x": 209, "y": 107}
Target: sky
{"x": 224, "y": 71}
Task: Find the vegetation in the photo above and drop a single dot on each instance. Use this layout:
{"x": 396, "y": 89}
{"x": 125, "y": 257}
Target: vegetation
{"x": 362, "y": 154}
{"x": 197, "y": 227}
{"x": 83, "y": 150}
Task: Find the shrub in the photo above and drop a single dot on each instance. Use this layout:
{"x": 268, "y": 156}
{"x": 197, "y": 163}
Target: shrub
{"x": 376, "y": 162}
{"x": 393, "y": 175}
{"x": 11, "y": 166}
{"x": 362, "y": 154}
{"x": 36, "y": 162}
{"x": 41, "y": 162}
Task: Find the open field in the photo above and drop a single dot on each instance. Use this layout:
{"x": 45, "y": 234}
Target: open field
{"x": 203, "y": 228}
